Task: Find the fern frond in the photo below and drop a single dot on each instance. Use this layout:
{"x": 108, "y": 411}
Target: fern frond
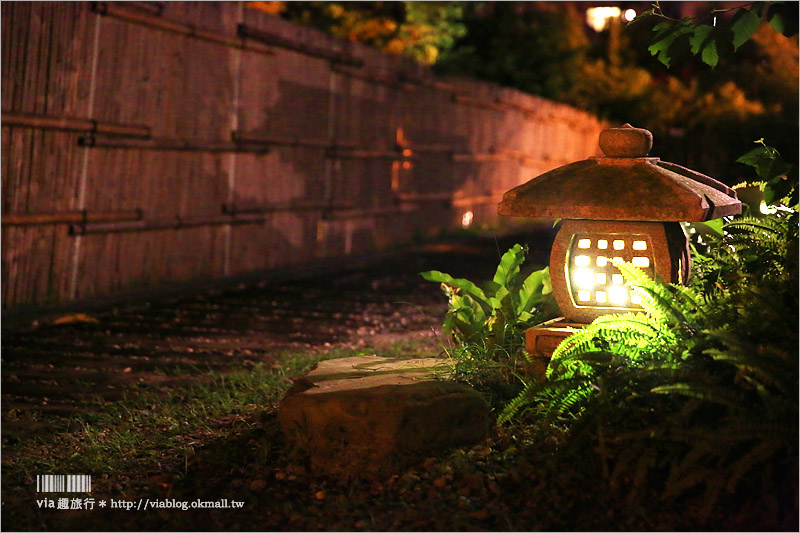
{"x": 761, "y": 453}
{"x": 522, "y": 400}
{"x": 703, "y": 391}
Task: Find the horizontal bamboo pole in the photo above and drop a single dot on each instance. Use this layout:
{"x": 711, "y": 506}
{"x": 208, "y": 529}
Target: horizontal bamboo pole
{"x": 448, "y": 198}
{"x": 414, "y": 82}
{"x": 432, "y": 197}
{"x": 345, "y": 153}
{"x": 233, "y": 209}
{"x": 380, "y": 80}
{"x": 73, "y": 124}
{"x": 429, "y": 148}
{"x": 161, "y": 224}
{"x": 477, "y": 200}
{"x": 346, "y": 214}
{"x": 153, "y": 8}
{"x": 477, "y": 102}
{"x": 334, "y": 151}
{"x": 243, "y": 137}
{"x": 31, "y": 219}
{"x": 123, "y": 12}
{"x": 482, "y": 157}
{"x": 266, "y": 37}
{"x": 166, "y": 143}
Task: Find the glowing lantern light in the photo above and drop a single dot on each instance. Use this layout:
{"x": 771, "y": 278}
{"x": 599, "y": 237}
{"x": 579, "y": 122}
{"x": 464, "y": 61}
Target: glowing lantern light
{"x": 623, "y": 206}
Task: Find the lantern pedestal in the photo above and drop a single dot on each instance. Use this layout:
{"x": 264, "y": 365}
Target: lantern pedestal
{"x": 541, "y": 340}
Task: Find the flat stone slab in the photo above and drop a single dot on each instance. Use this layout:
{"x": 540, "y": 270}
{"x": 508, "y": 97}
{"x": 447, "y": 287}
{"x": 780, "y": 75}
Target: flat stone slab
{"x": 372, "y": 416}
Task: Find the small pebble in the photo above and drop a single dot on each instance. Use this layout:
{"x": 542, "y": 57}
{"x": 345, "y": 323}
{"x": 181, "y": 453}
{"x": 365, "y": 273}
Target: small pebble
{"x": 258, "y": 484}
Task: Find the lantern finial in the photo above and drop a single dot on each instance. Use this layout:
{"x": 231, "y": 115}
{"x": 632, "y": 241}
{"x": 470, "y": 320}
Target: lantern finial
{"x": 626, "y": 141}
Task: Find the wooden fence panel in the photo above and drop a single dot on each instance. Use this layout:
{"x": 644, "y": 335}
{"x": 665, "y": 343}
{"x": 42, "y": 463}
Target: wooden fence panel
{"x": 151, "y": 143}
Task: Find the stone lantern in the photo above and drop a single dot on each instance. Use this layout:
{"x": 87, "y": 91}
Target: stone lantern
{"x": 622, "y": 206}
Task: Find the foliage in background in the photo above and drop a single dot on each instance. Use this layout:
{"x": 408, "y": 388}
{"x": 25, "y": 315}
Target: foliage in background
{"x": 704, "y": 37}
{"x": 700, "y": 117}
{"x": 417, "y": 29}
{"x": 487, "y": 324}
{"x": 537, "y": 47}
{"x": 696, "y": 397}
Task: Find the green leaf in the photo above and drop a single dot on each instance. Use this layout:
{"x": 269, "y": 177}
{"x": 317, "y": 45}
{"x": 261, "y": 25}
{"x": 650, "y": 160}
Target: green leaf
{"x": 530, "y": 294}
{"x": 783, "y": 17}
{"x": 463, "y": 284}
{"x": 713, "y": 227}
{"x": 702, "y": 41}
{"x": 700, "y": 36}
{"x": 508, "y": 268}
{"x": 745, "y": 23}
{"x": 669, "y": 35}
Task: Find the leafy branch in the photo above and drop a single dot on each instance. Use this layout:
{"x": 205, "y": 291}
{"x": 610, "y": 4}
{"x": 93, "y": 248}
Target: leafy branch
{"x": 674, "y": 38}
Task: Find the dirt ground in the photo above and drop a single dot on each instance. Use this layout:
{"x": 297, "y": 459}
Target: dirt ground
{"x": 54, "y": 365}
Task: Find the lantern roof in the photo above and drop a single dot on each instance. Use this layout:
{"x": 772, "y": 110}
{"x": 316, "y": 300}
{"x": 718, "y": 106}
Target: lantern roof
{"x": 623, "y": 184}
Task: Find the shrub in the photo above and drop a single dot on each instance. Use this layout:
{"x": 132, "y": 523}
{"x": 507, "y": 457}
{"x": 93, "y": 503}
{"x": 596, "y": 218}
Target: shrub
{"x": 487, "y": 324}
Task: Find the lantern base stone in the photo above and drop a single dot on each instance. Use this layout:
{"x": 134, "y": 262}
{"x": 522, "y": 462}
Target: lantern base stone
{"x": 541, "y": 340}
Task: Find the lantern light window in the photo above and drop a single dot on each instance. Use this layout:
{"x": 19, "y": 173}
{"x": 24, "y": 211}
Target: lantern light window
{"x": 616, "y": 279}
{"x": 584, "y": 278}
{"x": 619, "y": 244}
{"x": 582, "y": 260}
{"x": 616, "y": 260}
{"x": 640, "y": 245}
{"x": 641, "y": 261}
{"x": 600, "y": 296}
{"x": 584, "y": 296}
{"x": 617, "y": 295}
{"x": 602, "y": 261}
{"x": 602, "y": 244}
{"x": 600, "y": 278}
{"x": 585, "y": 243}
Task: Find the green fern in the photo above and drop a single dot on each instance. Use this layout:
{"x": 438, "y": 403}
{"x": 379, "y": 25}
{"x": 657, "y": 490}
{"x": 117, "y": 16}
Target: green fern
{"x": 697, "y": 393}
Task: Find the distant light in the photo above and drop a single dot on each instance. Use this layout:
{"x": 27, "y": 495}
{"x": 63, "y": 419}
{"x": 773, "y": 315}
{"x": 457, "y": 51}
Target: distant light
{"x": 629, "y": 15}
{"x": 597, "y": 17}
{"x": 466, "y": 219}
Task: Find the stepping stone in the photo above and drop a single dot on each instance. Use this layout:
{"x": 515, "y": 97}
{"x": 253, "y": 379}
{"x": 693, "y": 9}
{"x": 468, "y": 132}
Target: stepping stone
{"x": 372, "y": 416}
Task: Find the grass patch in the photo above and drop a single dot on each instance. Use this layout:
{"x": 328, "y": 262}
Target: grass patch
{"x": 150, "y": 435}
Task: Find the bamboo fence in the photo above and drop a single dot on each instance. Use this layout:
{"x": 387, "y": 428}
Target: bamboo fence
{"x": 148, "y": 143}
